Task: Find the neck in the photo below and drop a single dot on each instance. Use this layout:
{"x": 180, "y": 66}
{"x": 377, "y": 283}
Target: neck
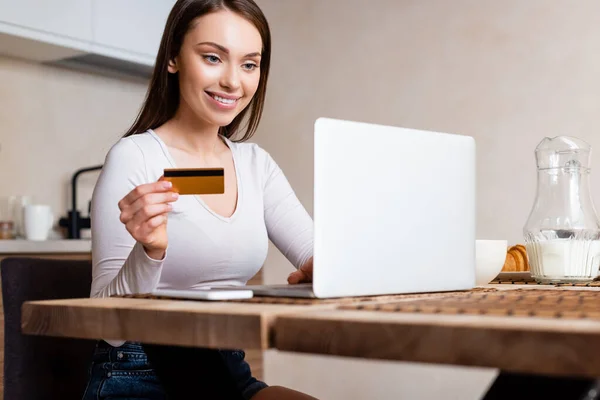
{"x": 192, "y": 135}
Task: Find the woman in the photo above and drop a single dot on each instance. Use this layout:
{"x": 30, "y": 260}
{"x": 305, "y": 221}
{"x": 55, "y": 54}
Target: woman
{"x": 207, "y": 90}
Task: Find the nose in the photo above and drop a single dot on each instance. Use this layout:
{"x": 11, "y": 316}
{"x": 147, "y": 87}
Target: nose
{"x": 230, "y": 78}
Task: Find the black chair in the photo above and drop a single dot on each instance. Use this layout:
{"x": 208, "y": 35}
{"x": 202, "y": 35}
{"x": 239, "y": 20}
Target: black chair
{"x": 38, "y": 367}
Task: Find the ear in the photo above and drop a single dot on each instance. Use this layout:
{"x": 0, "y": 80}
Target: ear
{"x": 172, "y": 67}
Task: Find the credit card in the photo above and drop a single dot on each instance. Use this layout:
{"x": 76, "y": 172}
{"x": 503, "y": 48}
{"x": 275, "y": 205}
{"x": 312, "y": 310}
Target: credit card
{"x": 196, "y": 180}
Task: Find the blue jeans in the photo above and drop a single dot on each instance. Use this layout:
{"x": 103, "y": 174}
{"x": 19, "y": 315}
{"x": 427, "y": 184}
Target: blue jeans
{"x": 125, "y": 372}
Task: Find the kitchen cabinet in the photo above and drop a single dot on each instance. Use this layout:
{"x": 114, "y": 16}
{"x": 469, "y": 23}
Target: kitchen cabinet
{"x": 67, "y": 18}
{"x": 107, "y": 36}
{"x": 135, "y": 26}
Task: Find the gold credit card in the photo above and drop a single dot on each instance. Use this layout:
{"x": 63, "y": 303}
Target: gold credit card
{"x": 196, "y": 180}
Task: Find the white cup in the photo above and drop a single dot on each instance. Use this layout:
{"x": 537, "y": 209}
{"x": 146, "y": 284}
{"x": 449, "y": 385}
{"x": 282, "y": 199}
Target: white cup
{"x": 490, "y": 258}
{"x": 38, "y": 220}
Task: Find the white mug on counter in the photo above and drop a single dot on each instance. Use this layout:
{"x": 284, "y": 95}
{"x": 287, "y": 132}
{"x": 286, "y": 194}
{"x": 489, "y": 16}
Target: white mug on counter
{"x": 38, "y": 220}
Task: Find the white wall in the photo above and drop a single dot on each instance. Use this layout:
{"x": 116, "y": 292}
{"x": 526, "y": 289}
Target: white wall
{"x": 54, "y": 121}
{"x": 507, "y": 73}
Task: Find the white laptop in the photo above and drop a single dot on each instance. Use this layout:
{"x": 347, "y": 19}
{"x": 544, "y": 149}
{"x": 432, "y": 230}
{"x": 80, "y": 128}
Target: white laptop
{"x": 394, "y": 212}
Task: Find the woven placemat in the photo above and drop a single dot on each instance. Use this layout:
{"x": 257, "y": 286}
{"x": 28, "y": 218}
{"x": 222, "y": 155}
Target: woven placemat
{"x": 519, "y": 302}
{"x": 303, "y": 301}
{"x": 525, "y": 280}
{"x": 528, "y": 280}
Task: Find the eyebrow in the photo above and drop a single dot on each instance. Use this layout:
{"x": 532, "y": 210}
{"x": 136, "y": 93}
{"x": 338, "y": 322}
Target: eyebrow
{"x": 226, "y": 51}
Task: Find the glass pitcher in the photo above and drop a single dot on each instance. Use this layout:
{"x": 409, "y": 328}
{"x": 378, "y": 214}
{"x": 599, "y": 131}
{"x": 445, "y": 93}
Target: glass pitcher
{"x": 562, "y": 233}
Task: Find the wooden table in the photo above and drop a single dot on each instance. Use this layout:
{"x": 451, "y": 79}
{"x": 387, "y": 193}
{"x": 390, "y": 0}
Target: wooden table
{"x": 550, "y": 342}
{"x": 170, "y": 322}
{"x": 525, "y": 329}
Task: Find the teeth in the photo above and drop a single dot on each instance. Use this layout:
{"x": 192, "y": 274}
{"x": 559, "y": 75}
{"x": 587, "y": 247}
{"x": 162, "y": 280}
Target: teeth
{"x": 222, "y": 100}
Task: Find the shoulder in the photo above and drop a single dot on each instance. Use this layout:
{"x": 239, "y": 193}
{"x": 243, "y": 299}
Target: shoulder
{"x": 257, "y": 162}
{"x": 135, "y": 145}
{"x": 139, "y": 149}
{"x": 135, "y": 155}
{"x": 251, "y": 154}
{"x": 127, "y": 146}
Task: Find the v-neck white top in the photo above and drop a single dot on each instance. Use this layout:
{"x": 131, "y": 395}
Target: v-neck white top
{"x": 205, "y": 249}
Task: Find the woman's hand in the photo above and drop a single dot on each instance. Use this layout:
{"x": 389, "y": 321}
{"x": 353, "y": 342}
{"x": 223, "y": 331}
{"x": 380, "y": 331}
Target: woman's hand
{"x": 144, "y": 212}
{"x": 304, "y": 274}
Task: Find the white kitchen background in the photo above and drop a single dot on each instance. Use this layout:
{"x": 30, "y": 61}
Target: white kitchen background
{"x": 56, "y": 120}
{"x": 507, "y": 73}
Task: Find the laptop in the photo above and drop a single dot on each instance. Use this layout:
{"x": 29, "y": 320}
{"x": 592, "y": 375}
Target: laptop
{"x": 394, "y": 212}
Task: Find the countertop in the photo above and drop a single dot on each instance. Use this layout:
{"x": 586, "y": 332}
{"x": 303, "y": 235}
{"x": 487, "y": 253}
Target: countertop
{"x": 46, "y": 246}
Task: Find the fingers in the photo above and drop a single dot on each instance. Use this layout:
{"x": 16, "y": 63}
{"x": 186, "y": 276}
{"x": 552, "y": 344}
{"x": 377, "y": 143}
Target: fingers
{"x": 147, "y": 206}
{"x": 303, "y": 274}
{"x": 144, "y": 212}
{"x": 307, "y": 268}
{"x": 148, "y": 212}
{"x": 142, "y": 190}
{"x": 298, "y": 276}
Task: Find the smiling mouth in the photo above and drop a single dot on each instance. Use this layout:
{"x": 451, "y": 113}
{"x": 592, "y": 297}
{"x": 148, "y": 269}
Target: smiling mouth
{"x": 223, "y": 100}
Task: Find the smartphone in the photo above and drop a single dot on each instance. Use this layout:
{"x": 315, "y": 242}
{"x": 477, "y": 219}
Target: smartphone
{"x": 196, "y": 180}
{"x": 206, "y": 294}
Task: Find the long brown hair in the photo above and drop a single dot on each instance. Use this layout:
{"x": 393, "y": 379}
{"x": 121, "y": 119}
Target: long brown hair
{"x": 162, "y": 98}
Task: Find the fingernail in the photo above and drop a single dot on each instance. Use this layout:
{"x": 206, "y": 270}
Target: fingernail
{"x": 175, "y": 196}
{"x": 167, "y": 184}
{"x": 170, "y": 206}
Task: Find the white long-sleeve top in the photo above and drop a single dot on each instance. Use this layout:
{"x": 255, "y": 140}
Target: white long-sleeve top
{"x": 205, "y": 249}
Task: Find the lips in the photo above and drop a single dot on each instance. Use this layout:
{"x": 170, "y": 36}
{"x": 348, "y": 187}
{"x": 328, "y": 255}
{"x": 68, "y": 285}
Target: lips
{"x": 223, "y": 98}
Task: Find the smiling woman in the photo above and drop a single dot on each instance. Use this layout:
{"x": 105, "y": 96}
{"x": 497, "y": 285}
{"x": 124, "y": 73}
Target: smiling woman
{"x": 235, "y": 41}
{"x": 205, "y": 99}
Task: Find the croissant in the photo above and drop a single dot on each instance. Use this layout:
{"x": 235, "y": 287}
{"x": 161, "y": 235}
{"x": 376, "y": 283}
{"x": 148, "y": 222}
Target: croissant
{"x": 516, "y": 259}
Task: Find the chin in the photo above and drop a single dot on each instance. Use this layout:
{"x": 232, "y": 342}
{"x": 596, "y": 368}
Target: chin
{"x": 220, "y": 122}
{"x": 217, "y": 118}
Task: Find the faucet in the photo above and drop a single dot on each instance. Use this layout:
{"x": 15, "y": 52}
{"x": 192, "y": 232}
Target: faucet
{"x": 74, "y": 222}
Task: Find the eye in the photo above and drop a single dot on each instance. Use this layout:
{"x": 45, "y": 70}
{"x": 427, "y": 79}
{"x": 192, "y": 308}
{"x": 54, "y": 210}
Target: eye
{"x": 212, "y": 59}
{"x": 249, "y": 66}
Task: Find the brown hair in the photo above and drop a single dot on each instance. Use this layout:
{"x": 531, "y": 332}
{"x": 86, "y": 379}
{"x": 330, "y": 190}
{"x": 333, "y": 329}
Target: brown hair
{"x": 162, "y": 98}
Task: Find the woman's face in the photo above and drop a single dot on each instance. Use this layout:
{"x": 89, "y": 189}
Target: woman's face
{"x": 218, "y": 66}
